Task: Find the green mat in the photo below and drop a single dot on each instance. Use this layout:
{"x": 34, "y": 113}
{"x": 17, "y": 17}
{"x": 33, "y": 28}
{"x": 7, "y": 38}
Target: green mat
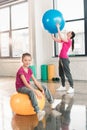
{"x": 44, "y": 72}
{"x": 33, "y": 68}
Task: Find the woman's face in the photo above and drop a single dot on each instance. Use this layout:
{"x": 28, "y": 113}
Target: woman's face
{"x": 69, "y": 34}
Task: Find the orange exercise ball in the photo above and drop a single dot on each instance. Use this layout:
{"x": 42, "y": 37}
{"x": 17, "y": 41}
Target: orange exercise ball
{"x": 21, "y": 104}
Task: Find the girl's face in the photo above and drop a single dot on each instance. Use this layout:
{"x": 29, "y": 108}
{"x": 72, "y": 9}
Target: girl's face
{"x": 26, "y": 61}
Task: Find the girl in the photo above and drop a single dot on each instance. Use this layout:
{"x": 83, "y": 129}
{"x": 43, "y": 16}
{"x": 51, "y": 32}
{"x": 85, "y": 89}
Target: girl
{"x": 64, "y": 69}
{"x": 23, "y": 86}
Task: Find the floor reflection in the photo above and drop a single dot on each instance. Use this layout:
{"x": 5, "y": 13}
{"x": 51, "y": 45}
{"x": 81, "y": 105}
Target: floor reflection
{"x": 73, "y": 117}
{"x": 66, "y": 116}
{"x": 24, "y": 122}
{"x": 58, "y": 119}
{"x": 65, "y": 109}
{"x": 5, "y": 113}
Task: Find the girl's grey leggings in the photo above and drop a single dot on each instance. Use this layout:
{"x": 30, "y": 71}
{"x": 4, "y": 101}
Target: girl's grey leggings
{"x": 32, "y": 96}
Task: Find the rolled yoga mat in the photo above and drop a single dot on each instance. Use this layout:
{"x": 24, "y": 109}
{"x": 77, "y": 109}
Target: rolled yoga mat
{"x": 44, "y": 72}
{"x": 51, "y": 71}
{"x": 33, "y": 68}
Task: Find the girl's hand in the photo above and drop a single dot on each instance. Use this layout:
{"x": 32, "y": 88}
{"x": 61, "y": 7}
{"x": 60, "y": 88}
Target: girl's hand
{"x": 42, "y": 91}
{"x": 38, "y": 94}
{"x": 40, "y": 88}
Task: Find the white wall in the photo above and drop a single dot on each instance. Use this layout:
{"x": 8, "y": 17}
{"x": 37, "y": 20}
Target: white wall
{"x": 41, "y": 46}
{"x": 79, "y": 68}
{"x": 8, "y": 67}
{"x": 42, "y": 38}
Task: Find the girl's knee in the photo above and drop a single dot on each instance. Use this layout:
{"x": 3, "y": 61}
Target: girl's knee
{"x": 44, "y": 87}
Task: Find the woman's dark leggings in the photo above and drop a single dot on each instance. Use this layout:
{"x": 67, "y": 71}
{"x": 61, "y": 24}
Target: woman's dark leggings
{"x": 64, "y": 70}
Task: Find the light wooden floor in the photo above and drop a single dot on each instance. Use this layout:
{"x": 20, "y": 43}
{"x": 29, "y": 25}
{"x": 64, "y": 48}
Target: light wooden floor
{"x": 10, "y": 121}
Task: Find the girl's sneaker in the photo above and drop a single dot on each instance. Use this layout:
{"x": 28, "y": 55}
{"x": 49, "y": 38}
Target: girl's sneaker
{"x": 40, "y": 115}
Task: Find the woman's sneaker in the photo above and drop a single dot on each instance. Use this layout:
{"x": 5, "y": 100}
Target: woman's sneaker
{"x": 61, "y": 88}
{"x": 40, "y": 115}
{"x": 71, "y": 90}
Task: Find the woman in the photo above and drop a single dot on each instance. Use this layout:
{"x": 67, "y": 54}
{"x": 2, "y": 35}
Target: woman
{"x": 64, "y": 69}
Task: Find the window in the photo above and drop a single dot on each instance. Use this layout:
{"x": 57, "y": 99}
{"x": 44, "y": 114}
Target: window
{"x": 20, "y": 42}
{"x": 75, "y": 17}
{"x": 14, "y": 35}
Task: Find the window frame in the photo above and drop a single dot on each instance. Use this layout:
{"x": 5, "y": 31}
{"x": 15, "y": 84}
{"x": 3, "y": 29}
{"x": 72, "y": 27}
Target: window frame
{"x": 11, "y": 30}
{"x": 85, "y": 30}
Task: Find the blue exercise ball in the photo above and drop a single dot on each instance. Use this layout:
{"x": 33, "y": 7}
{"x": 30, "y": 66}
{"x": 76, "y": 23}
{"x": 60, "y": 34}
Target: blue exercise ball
{"x": 51, "y": 18}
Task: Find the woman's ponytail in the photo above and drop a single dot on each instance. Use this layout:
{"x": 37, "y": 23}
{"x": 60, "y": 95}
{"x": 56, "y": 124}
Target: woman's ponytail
{"x": 73, "y": 35}
{"x": 72, "y": 44}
